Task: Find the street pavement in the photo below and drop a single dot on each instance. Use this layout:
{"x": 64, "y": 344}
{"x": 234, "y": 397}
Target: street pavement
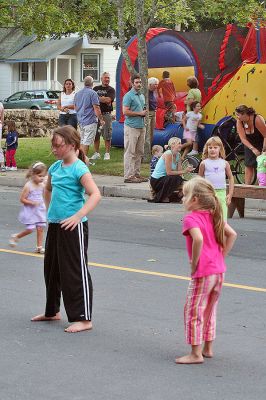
{"x": 139, "y": 268}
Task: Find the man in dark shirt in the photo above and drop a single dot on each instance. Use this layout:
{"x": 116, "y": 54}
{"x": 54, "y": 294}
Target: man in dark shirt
{"x": 106, "y": 97}
{"x": 153, "y": 85}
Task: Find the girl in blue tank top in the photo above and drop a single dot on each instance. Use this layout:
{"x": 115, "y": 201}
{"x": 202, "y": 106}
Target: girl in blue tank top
{"x": 66, "y": 261}
{"x": 215, "y": 169}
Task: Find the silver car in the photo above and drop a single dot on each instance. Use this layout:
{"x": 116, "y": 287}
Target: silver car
{"x": 33, "y": 100}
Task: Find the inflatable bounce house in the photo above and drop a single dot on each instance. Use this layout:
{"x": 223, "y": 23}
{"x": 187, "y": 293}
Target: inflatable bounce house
{"x": 229, "y": 62}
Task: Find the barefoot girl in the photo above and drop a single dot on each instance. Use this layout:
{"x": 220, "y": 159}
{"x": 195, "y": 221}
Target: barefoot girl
{"x": 33, "y": 212}
{"x": 65, "y": 262}
{"x": 209, "y": 240}
{"x": 214, "y": 168}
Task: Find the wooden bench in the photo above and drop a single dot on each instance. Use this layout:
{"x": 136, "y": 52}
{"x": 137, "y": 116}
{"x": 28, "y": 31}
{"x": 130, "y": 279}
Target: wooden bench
{"x": 242, "y": 192}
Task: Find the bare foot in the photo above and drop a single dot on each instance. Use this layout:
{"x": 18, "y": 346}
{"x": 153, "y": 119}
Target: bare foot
{"x": 207, "y": 351}
{"x": 189, "y": 359}
{"x": 207, "y": 354}
{"x": 42, "y": 317}
{"x": 79, "y": 327}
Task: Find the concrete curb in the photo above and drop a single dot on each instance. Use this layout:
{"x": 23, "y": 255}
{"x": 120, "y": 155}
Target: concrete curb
{"x": 112, "y": 186}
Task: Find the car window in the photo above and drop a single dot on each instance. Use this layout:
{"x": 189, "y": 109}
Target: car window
{"x": 15, "y": 96}
{"x": 27, "y": 96}
{"x": 39, "y": 95}
{"x": 52, "y": 94}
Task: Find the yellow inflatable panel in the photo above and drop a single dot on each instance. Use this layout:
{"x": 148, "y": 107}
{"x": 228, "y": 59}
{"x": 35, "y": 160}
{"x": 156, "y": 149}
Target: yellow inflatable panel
{"x": 178, "y": 76}
{"x": 248, "y": 86}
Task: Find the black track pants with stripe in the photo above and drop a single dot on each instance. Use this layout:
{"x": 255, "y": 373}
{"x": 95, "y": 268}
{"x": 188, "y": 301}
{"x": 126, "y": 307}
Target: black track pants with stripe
{"x": 66, "y": 270}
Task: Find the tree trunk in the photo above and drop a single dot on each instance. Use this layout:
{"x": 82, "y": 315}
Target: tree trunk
{"x": 143, "y": 69}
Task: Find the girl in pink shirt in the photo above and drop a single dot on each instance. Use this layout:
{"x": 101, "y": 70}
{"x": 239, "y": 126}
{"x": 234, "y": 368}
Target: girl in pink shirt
{"x": 209, "y": 240}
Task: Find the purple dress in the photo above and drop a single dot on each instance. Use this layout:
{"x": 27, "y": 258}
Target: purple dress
{"x": 30, "y": 215}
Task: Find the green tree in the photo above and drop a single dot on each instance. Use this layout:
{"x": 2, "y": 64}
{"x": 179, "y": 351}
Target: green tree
{"x": 124, "y": 18}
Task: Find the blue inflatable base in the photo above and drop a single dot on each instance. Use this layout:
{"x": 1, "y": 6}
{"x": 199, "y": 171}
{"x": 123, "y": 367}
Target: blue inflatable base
{"x": 160, "y": 137}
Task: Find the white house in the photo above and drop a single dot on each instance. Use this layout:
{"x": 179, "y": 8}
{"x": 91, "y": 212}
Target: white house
{"x": 27, "y": 64}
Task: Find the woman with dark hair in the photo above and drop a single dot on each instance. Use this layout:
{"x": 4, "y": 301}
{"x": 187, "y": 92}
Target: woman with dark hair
{"x": 194, "y": 93}
{"x": 68, "y": 114}
{"x": 252, "y": 132}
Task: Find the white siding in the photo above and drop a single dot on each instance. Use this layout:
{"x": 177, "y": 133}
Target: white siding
{"x": 108, "y": 61}
{"x": 5, "y": 80}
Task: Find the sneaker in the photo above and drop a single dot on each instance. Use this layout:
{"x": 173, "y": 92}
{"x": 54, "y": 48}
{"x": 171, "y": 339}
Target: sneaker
{"x": 142, "y": 178}
{"x": 13, "y": 168}
{"x": 192, "y": 153}
{"x": 8, "y": 168}
{"x": 133, "y": 179}
{"x": 3, "y": 169}
{"x": 40, "y": 250}
{"x": 107, "y": 156}
{"x": 96, "y": 156}
{"x": 13, "y": 240}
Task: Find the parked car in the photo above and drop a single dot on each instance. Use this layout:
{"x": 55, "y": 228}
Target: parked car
{"x": 33, "y": 99}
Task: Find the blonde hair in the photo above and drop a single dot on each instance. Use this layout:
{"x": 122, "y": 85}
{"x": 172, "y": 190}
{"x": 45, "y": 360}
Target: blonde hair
{"x": 36, "y": 168}
{"x": 213, "y": 140}
{"x": 173, "y": 141}
{"x": 207, "y": 200}
{"x": 156, "y": 148}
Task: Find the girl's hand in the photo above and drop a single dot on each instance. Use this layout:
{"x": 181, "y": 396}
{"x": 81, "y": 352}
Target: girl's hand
{"x": 201, "y": 126}
{"x": 71, "y": 222}
{"x": 228, "y": 199}
{"x": 189, "y": 168}
{"x": 193, "y": 267}
{"x": 256, "y": 152}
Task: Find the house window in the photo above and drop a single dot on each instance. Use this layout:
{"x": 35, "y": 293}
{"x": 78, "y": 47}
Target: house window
{"x": 90, "y": 64}
{"x": 23, "y": 71}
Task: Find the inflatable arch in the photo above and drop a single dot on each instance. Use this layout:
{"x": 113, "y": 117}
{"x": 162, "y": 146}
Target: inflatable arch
{"x": 231, "y": 69}
{"x": 166, "y": 51}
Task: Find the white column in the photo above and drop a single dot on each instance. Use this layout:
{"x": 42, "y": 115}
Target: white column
{"x": 48, "y": 74}
{"x": 69, "y": 68}
{"x": 30, "y": 71}
{"x": 55, "y": 72}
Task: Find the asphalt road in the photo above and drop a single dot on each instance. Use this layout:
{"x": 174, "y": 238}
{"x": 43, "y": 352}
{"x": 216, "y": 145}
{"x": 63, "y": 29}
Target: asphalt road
{"x": 139, "y": 269}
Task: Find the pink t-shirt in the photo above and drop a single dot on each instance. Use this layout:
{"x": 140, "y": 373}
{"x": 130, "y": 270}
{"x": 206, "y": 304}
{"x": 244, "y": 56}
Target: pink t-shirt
{"x": 211, "y": 259}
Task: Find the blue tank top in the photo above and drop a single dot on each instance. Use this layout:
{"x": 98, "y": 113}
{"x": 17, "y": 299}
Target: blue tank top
{"x": 160, "y": 169}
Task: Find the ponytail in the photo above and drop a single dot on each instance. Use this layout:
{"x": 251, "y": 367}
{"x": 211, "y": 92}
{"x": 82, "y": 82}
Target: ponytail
{"x": 81, "y": 155}
{"x": 218, "y": 222}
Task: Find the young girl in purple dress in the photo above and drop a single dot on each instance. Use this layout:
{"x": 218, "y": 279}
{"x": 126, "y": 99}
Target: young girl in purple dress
{"x": 33, "y": 212}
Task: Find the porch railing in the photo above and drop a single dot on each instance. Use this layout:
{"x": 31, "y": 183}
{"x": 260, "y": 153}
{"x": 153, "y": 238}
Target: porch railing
{"x": 18, "y": 86}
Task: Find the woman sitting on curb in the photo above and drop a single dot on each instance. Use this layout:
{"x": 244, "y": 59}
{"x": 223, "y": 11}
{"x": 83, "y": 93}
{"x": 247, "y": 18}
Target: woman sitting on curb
{"x": 167, "y": 176}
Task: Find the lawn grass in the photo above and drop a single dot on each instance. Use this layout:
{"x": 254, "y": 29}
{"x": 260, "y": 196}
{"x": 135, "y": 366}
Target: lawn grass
{"x": 39, "y": 149}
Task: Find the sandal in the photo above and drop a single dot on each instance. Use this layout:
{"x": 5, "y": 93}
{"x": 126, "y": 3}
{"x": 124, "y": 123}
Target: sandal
{"x": 13, "y": 240}
{"x": 40, "y": 250}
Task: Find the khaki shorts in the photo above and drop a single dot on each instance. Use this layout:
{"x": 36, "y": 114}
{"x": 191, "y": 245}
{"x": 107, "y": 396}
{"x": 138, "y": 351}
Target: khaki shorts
{"x": 106, "y": 131}
{"x": 87, "y": 134}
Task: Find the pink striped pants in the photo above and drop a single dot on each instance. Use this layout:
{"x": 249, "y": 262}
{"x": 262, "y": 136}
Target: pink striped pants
{"x": 200, "y": 308}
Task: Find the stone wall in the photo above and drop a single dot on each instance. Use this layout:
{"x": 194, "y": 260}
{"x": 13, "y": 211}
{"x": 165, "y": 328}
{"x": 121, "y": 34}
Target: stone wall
{"x": 32, "y": 123}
